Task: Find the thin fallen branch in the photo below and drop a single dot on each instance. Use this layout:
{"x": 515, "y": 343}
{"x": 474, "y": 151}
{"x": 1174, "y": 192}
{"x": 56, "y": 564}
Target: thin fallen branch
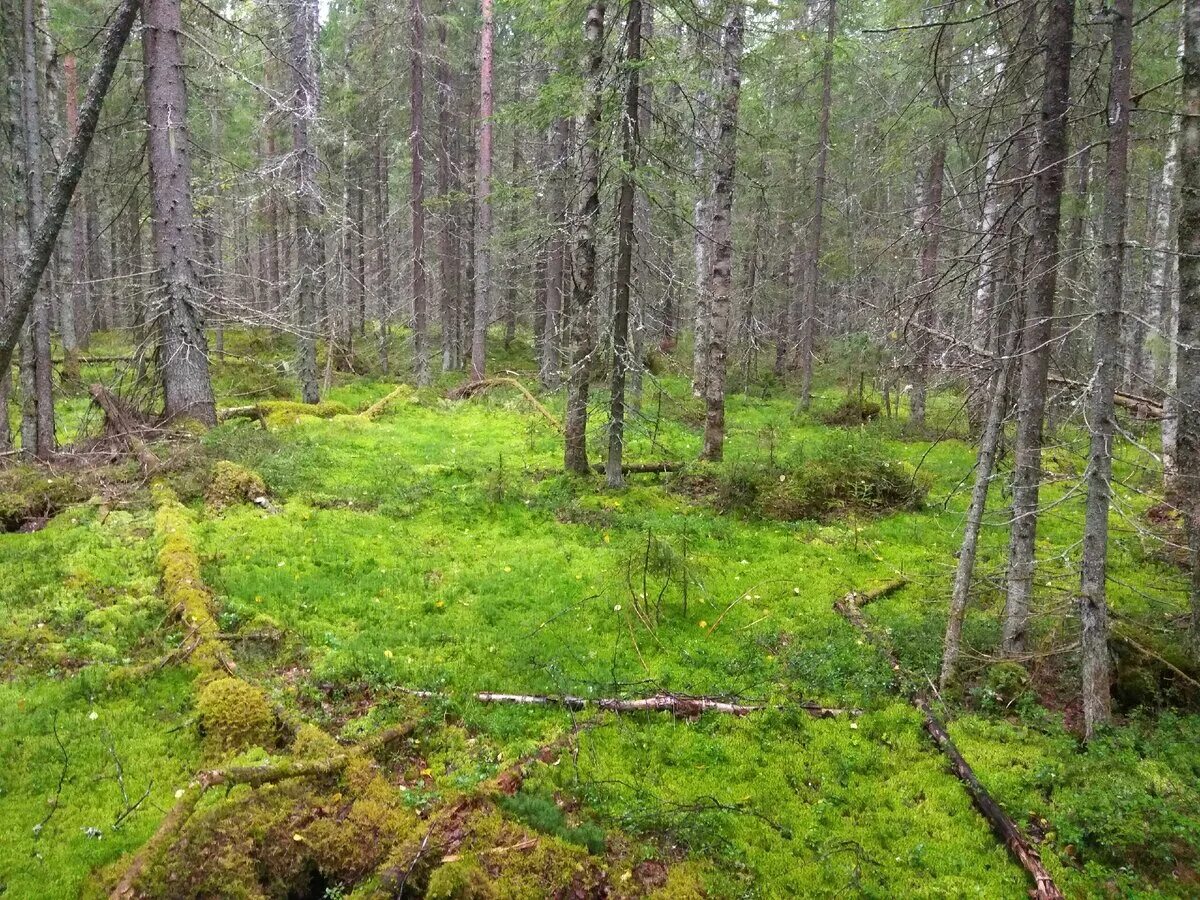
{"x": 1150, "y": 654}
{"x": 683, "y": 706}
{"x": 471, "y": 388}
{"x": 1002, "y": 825}
{"x": 528, "y": 844}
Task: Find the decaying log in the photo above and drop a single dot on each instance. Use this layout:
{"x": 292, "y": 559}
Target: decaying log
{"x": 1002, "y": 825}
{"x": 382, "y": 403}
{"x": 471, "y": 388}
{"x": 683, "y": 706}
{"x": 243, "y": 412}
{"x": 254, "y": 776}
{"x": 1143, "y": 407}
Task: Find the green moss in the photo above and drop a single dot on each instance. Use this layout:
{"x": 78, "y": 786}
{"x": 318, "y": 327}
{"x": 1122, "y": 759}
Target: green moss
{"x": 233, "y": 484}
{"x": 235, "y": 715}
{"x": 29, "y": 492}
{"x": 280, "y": 413}
{"x": 459, "y": 880}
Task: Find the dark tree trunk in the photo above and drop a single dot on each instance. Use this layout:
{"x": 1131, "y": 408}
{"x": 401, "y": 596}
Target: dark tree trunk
{"x": 550, "y": 362}
{"x": 447, "y": 263}
{"x": 74, "y": 307}
{"x": 1188, "y": 436}
{"x": 630, "y": 125}
{"x": 383, "y": 255}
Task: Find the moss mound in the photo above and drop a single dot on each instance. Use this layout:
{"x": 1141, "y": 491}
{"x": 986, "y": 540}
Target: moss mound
{"x": 232, "y": 484}
{"x": 29, "y": 494}
{"x": 235, "y": 715}
{"x": 852, "y": 411}
{"x": 840, "y": 473}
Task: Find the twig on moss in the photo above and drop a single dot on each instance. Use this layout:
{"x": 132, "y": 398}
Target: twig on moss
{"x": 62, "y": 778}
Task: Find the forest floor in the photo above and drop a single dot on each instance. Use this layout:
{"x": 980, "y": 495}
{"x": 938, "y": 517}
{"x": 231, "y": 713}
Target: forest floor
{"x": 435, "y": 548}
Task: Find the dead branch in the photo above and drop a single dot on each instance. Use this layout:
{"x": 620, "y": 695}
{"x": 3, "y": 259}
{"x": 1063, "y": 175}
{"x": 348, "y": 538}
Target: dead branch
{"x": 471, "y": 388}
{"x": 1143, "y": 407}
{"x": 1002, "y": 825}
{"x": 1150, "y": 654}
{"x": 683, "y": 706}
{"x": 121, "y": 424}
{"x": 253, "y": 411}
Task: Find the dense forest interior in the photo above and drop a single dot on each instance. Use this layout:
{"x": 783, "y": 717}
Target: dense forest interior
{"x": 657, "y": 448}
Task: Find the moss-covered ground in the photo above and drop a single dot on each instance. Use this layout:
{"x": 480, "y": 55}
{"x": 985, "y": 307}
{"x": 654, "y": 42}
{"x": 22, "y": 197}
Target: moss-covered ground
{"x": 436, "y": 548}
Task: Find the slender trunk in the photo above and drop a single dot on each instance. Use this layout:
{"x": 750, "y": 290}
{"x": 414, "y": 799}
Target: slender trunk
{"x": 1166, "y": 262}
{"x": 985, "y": 289}
{"x": 308, "y": 196}
{"x": 383, "y": 254}
{"x": 985, "y": 464}
{"x": 721, "y": 275}
{"x": 1035, "y": 362}
{"x": 1093, "y": 606}
{"x": 583, "y": 269}
{"x": 417, "y": 198}
{"x": 701, "y": 221}
{"x": 642, "y": 277}
{"x": 483, "y": 223}
{"x": 550, "y": 367}
{"x": 630, "y": 136}
{"x": 447, "y": 266}
{"x": 1188, "y": 438}
{"x": 74, "y": 307}
{"x": 812, "y": 264}
{"x": 931, "y": 231}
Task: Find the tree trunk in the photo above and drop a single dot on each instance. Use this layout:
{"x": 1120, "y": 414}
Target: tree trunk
{"x": 383, "y": 254}
{"x": 417, "y": 198}
{"x": 583, "y": 269}
{"x": 812, "y": 262}
{"x": 187, "y": 388}
{"x": 1188, "y": 437}
{"x": 630, "y": 137}
{"x": 447, "y": 264}
{"x": 701, "y": 217}
{"x": 483, "y": 203}
{"x": 550, "y": 363}
{"x": 308, "y": 196}
{"x": 1165, "y": 277}
{"x": 74, "y": 307}
{"x": 642, "y": 271}
{"x": 1106, "y": 351}
{"x": 1031, "y": 404}
{"x": 721, "y": 276}
{"x": 989, "y": 445}
{"x": 931, "y": 233}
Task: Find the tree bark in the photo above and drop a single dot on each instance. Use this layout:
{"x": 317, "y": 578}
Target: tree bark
{"x": 550, "y": 368}
{"x": 447, "y": 264}
{"x": 812, "y": 261}
{"x": 483, "y": 202}
{"x": 1106, "y": 352}
{"x": 630, "y": 126}
{"x": 187, "y": 388}
{"x": 1031, "y": 402}
{"x": 583, "y": 269}
{"x": 985, "y": 464}
{"x": 75, "y": 306}
{"x": 308, "y": 195}
{"x": 417, "y": 198}
{"x": 721, "y": 275}
{"x": 1188, "y": 349}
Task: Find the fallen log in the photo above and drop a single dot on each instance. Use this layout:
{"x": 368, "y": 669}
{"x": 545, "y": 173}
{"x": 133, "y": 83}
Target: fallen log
{"x": 663, "y": 467}
{"x": 680, "y": 705}
{"x": 243, "y": 412}
{"x": 1143, "y": 407}
{"x": 254, "y": 776}
{"x": 381, "y": 404}
{"x": 471, "y": 388}
{"x": 1002, "y": 825}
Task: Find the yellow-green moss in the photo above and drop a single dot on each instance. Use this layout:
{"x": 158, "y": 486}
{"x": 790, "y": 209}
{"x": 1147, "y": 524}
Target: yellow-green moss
{"x": 232, "y": 484}
{"x": 289, "y": 412}
{"x": 235, "y": 715}
{"x": 458, "y": 880}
